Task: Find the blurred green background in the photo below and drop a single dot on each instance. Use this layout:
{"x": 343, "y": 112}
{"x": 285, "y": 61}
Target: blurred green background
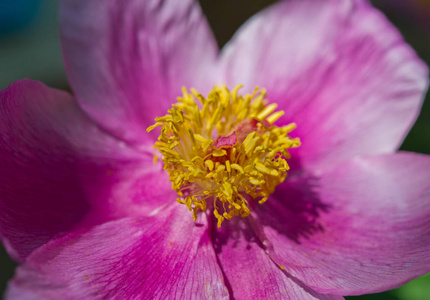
{"x": 29, "y": 48}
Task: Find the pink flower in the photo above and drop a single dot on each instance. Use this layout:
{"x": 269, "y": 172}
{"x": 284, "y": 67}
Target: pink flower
{"x": 89, "y": 214}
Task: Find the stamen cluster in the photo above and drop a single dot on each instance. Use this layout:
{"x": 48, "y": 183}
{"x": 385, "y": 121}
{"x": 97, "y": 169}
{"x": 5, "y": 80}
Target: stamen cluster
{"x": 223, "y": 151}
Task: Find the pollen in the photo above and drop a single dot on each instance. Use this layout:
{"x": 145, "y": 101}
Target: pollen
{"x": 223, "y": 152}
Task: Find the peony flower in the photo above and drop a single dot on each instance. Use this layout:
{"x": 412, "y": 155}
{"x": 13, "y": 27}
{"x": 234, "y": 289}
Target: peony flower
{"x": 290, "y": 191}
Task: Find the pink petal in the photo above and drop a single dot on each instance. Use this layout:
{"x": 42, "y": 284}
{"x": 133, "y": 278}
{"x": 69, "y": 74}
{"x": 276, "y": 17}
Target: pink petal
{"x": 127, "y": 60}
{"x": 167, "y": 256}
{"x": 59, "y": 170}
{"x": 250, "y": 273}
{"x": 361, "y": 227}
{"x": 339, "y": 69}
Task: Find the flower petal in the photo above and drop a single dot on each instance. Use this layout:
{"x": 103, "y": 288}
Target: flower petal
{"x": 249, "y": 272}
{"x": 167, "y": 256}
{"x": 127, "y": 60}
{"x": 58, "y": 169}
{"x": 339, "y": 69}
{"x": 361, "y": 227}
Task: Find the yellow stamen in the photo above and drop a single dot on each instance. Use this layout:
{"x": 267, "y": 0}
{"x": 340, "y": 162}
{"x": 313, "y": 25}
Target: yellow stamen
{"x": 238, "y": 171}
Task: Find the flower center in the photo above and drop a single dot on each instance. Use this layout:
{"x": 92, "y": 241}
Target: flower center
{"x": 224, "y": 151}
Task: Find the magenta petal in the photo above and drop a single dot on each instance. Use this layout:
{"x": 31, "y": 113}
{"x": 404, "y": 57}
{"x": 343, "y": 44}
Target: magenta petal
{"x": 127, "y": 190}
{"x": 338, "y": 68}
{"x": 361, "y": 227}
{"x": 127, "y": 60}
{"x": 249, "y": 272}
{"x": 59, "y": 170}
{"x": 167, "y": 256}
